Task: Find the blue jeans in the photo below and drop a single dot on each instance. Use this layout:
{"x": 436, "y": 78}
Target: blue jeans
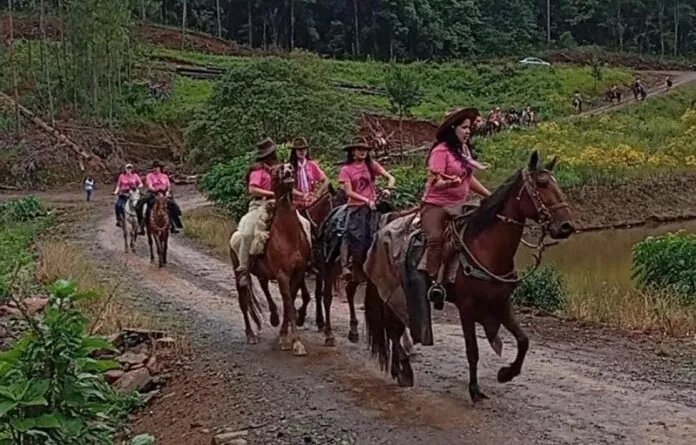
{"x": 120, "y": 206}
{"x": 89, "y": 194}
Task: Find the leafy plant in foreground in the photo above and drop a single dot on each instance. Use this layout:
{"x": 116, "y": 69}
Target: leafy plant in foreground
{"x": 544, "y": 289}
{"x": 51, "y": 390}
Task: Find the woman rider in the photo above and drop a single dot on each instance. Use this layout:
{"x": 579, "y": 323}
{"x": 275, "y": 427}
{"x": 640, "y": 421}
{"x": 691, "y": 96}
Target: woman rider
{"x": 157, "y": 181}
{"x": 450, "y": 178}
{"x": 358, "y": 176}
{"x": 127, "y": 181}
{"x": 260, "y": 187}
{"x": 309, "y": 177}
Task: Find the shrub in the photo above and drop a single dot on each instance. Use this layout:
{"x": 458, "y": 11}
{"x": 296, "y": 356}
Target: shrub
{"x": 544, "y": 289}
{"x": 51, "y": 389}
{"x": 667, "y": 262}
{"x": 273, "y": 98}
{"x": 20, "y": 210}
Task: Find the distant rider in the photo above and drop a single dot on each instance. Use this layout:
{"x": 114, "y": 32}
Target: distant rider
{"x": 309, "y": 177}
{"x": 127, "y": 181}
{"x": 158, "y": 182}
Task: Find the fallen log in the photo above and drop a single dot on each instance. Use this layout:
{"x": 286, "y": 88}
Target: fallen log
{"x": 62, "y": 139}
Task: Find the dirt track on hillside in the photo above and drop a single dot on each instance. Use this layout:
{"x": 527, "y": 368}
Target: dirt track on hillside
{"x": 578, "y": 386}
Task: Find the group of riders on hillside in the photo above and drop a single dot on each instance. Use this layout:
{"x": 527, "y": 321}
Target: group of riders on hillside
{"x": 156, "y": 182}
{"x": 450, "y": 180}
{"x": 638, "y": 88}
{"x": 497, "y": 119}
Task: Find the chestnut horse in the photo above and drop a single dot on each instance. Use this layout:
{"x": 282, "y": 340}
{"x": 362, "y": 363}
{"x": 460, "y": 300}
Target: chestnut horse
{"x": 158, "y": 229}
{"x": 285, "y": 259}
{"x": 486, "y": 244}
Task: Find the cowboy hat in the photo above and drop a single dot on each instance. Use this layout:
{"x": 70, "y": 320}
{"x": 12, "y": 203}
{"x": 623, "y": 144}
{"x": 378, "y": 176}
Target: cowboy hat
{"x": 299, "y": 143}
{"x": 358, "y": 145}
{"x": 456, "y": 116}
{"x": 156, "y": 164}
{"x": 265, "y": 148}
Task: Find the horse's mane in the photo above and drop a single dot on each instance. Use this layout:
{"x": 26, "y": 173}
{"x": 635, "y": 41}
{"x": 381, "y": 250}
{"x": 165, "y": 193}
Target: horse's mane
{"x": 490, "y": 208}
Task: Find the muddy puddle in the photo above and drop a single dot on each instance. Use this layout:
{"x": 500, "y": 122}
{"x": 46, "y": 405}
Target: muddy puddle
{"x": 602, "y": 256}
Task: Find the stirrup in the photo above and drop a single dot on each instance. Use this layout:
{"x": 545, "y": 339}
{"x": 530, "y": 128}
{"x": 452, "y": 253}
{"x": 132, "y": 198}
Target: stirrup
{"x": 437, "y": 294}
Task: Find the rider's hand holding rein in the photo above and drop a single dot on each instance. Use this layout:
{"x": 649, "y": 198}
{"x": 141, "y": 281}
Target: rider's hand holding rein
{"x": 258, "y": 192}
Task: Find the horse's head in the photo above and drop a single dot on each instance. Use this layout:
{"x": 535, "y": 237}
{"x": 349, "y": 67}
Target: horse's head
{"x": 134, "y": 195}
{"x": 283, "y": 177}
{"x": 544, "y": 201}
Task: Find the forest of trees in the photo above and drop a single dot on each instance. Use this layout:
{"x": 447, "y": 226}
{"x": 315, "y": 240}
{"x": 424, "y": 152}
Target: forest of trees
{"x": 429, "y": 29}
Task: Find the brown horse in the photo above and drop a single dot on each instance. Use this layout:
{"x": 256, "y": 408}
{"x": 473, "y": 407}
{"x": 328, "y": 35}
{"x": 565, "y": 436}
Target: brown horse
{"x": 486, "y": 244}
{"x": 285, "y": 259}
{"x": 158, "y": 229}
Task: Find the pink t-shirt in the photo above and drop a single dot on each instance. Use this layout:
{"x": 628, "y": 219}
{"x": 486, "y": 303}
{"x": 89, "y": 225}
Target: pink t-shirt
{"x": 261, "y": 178}
{"x": 313, "y": 175}
{"x": 443, "y": 161}
{"x": 360, "y": 181}
{"x": 157, "y": 182}
{"x": 128, "y": 181}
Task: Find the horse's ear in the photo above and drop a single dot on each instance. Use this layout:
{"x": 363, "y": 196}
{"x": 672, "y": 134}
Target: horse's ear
{"x": 551, "y": 165}
{"x": 534, "y": 161}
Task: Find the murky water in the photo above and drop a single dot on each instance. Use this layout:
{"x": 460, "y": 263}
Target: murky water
{"x": 605, "y": 256}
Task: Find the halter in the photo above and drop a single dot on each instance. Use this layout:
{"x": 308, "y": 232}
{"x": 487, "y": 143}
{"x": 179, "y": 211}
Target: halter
{"x": 154, "y": 220}
{"x": 545, "y": 218}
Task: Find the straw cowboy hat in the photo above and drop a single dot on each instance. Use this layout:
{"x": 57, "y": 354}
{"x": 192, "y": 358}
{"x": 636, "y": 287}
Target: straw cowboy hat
{"x": 360, "y": 144}
{"x": 264, "y": 148}
{"x": 454, "y": 116}
{"x": 299, "y": 143}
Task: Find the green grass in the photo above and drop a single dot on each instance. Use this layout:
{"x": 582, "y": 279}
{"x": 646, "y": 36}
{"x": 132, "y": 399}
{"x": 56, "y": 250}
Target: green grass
{"x": 445, "y": 85}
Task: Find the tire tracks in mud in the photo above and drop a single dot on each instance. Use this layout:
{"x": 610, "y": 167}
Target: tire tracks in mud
{"x": 568, "y": 393}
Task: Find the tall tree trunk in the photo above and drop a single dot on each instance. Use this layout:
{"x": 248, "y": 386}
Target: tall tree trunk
{"x": 44, "y": 64}
{"x": 660, "y": 24}
{"x": 219, "y": 20}
{"x": 13, "y": 65}
{"x": 142, "y": 10}
{"x": 548, "y": 22}
{"x": 677, "y": 6}
{"x": 356, "y": 27}
{"x": 250, "y": 24}
{"x": 183, "y": 26}
{"x": 292, "y": 25}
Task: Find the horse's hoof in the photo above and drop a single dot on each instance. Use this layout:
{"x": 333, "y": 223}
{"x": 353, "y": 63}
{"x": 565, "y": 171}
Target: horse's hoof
{"x": 320, "y": 325}
{"x": 505, "y": 374}
{"x": 353, "y": 337}
{"x": 298, "y": 349}
{"x": 404, "y": 381}
{"x": 330, "y": 341}
{"x": 275, "y": 319}
{"x": 284, "y": 344}
{"x": 476, "y": 394}
{"x": 252, "y": 339}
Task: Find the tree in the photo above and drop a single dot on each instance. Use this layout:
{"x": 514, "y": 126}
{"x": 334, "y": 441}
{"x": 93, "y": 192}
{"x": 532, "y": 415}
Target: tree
{"x": 405, "y": 92}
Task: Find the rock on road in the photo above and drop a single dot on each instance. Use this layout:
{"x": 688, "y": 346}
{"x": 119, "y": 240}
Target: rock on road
{"x": 576, "y": 387}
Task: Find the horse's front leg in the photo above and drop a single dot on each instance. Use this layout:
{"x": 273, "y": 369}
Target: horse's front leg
{"x": 331, "y": 275}
{"x": 306, "y": 298}
{"x": 149, "y": 242}
{"x": 296, "y": 282}
{"x": 124, "y": 229}
{"x": 275, "y": 319}
{"x": 318, "y": 292}
{"x": 351, "y": 288}
{"x": 165, "y": 247}
{"x": 507, "y": 373}
{"x": 472, "y": 352}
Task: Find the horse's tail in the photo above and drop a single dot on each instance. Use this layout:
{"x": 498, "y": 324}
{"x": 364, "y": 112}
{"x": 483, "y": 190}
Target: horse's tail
{"x": 375, "y": 321}
{"x": 247, "y": 297}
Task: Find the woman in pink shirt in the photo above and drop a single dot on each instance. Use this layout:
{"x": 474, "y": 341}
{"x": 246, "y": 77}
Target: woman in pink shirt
{"x": 450, "y": 178}
{"x": 157, "y": 181}
{"x": 309, "y": 177}
{"x": 358, "y": 176}
{"x": 127, "y": 181}
{"x": 260, "y": 188}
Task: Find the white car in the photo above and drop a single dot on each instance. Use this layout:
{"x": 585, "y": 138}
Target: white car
{"x": 534, "y": 61}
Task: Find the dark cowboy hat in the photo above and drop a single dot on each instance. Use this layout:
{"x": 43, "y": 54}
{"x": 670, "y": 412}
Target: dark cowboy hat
{"x": 456, "y": 116}
{"x": 360, "y": 144}
{"x": 299, "y": 143}
{"x": 265, "y": 148}
{"x": 156, "y": 164}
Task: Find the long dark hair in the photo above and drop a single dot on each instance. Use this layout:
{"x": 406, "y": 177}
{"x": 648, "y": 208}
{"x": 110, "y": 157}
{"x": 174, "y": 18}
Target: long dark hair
{"x": 259, "y": 164}
{"x": 454, "y": 145}
{"x": 350, "y": 158}
{"x": 294, "y": 160}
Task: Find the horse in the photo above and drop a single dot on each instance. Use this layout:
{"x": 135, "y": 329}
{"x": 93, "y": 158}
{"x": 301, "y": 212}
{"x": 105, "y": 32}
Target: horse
{"x": 577, "y": 104}
{"x": 639, "y": 92}
{"x": 485, "y": 244}
{"x": 158, "y": 229}
{"x": 285, "y": 258}
{"x": 129, "y": 220}
{"x": 612, "y": 95}
{"x": 331, "y": 270}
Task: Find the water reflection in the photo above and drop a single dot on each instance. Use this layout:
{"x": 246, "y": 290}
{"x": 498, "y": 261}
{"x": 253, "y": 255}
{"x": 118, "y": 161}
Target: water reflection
{"x": 605, "y": 256}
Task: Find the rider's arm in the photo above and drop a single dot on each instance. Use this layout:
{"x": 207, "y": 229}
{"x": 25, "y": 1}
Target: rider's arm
{"x": 259, "y": 192}
{"x": 351, "y": 194}
{"x": 148, "y": 182}
{"x": 478, "y": 188}
{"x": 118, "y": 185}
{"x": 380, "y": 171}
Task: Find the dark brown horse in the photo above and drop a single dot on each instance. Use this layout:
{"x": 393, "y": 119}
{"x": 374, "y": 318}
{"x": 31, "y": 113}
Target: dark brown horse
{"x": 487, "y": 242}
{"x": 158, "y": 229}
{"x": 285, "y": 259}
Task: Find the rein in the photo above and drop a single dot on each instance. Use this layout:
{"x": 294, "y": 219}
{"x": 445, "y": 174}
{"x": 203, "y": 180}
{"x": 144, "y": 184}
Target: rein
{"x": 545, "y": 213}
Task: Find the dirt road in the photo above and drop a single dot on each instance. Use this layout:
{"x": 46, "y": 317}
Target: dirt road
{"x": 579, "y": 385}
{"x": 679, "y": 78}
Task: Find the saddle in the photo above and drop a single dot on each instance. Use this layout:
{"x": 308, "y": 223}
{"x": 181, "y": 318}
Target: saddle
{"x": 262, "y": 227}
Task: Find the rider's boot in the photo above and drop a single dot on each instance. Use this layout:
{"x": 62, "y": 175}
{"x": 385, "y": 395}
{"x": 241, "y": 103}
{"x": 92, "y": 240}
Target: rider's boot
{"x": 433, "y": 262}
{"x": 346, "y": 269}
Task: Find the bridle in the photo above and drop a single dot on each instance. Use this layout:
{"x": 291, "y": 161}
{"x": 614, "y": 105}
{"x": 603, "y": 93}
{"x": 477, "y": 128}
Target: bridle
{"x": 545, "y": 214}
{"x": 165, "y": 226}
